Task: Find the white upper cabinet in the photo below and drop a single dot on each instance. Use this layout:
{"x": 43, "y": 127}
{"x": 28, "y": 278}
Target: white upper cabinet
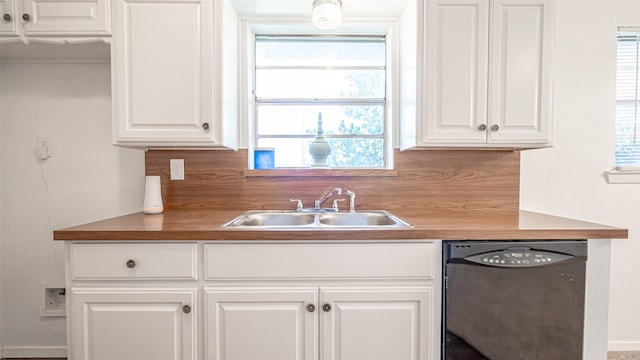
{"x": 9, "y": 22}
{"x": 520, "y": 110}
{"x": 486, "y": 75}
{"x": 455, "y": 64}
{"x": 174, "y": 73}
{"x": 64, "y": 18}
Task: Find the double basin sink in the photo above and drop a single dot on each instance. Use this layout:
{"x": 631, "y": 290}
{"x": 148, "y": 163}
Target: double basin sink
{"x": 316, "y": 220}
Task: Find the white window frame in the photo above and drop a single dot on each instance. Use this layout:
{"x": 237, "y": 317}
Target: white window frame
{"x": 249, "y": 27}
{"x": 337, "y": 101}
{"x": 626, "y": 174}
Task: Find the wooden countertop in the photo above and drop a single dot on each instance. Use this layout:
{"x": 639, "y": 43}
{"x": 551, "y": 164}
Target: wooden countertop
{"x": 206, "y": 225}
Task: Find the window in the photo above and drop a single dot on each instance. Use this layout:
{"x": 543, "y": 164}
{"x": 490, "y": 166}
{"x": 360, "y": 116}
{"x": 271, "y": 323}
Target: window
{"x": 341, "y": 77}
{"x": 628, "y": 99}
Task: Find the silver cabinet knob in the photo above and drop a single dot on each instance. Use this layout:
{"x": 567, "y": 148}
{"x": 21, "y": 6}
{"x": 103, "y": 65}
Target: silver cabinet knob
{"x": 131, "y": 264}
{"x": 495, "y": 127}
{"x": 26, "y": 17}
{"x": 482, "y": 127}
{"x": 311, "y": 308}
{"x": 6, "y": 17}
{"x": 186, "y": 309}
{"x": 326, "y": 307}
{"x": 205, "y": 126}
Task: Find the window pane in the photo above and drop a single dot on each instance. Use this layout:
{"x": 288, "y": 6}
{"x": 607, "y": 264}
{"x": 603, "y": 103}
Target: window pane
{"x": 289, "y": 152}
{"x": 626, "y": 68}
{"x": 627, "y": 151}
{"x": 355, "y": 153}
{"x": 319, "y": 83}
{"x": 303, "y": 120}
{"x": 319, "y": 52}
{"x": 342, "y": 77}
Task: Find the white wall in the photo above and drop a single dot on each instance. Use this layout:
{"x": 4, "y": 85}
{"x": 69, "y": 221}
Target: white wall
{"x": 567, "y": 179}
{"x": 87, "y": 179}
{"x": 1, "y": 342}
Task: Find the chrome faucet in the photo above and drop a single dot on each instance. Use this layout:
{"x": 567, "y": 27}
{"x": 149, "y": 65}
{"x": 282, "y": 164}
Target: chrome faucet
{"x": 318, "y": 203}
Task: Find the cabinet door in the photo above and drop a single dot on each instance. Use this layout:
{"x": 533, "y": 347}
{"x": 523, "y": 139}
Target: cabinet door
{"x": 133, "y": 324}
{"x": 9, "y": 17}
{"x": 261, "y": 323}
{"x": 63, "y": 17}
{"x": 378, "y": 323}
{"x": 162, "y": 63}
{"x": 521, "y": 74}
{"x": 456, "y": 40}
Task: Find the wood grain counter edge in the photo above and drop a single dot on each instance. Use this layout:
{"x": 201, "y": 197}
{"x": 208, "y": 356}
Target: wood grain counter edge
{"x": 203, "y": 225}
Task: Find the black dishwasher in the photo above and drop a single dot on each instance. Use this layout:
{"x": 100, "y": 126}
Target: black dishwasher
{"x": 508, "y": 300}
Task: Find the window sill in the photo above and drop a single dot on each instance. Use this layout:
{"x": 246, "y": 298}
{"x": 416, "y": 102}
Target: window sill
{"x": 304, "y": 172}
{"x": 622, "y": 177}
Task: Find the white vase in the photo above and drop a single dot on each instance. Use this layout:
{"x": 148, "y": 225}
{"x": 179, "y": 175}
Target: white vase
{"x": 152, "y": 196}
{"x": 320, "y": 148}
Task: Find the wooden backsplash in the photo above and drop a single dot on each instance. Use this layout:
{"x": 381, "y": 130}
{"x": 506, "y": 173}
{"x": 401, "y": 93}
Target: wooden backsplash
{"x": 425, "y": 182}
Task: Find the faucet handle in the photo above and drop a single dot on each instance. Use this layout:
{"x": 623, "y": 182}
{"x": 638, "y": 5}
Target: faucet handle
{"x": 352, "y": 201}
{"x": 335, "y": 204}
{"x": 298, "y": 205}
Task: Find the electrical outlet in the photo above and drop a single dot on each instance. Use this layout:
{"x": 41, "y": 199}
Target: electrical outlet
{"x": 177, "y": 169}
{"x": 43, "y": 148}
{"x": 54, "y": 301}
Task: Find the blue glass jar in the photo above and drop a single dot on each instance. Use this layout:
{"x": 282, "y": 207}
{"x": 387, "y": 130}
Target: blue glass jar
{"x": 263, "y": 158}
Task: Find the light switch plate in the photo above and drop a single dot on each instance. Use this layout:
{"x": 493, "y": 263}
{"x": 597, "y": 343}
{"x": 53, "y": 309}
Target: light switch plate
{"x": 177, "y": 169}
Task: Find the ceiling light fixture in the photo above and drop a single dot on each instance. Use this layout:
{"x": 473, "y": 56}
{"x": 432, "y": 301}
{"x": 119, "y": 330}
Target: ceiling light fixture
{"x": 327, "y": 14}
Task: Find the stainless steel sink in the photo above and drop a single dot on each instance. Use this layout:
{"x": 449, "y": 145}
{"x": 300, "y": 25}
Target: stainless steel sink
{"x": 271, "y": 219}
{"x": 358, "y": 219}
{"x": 320, "y": 220}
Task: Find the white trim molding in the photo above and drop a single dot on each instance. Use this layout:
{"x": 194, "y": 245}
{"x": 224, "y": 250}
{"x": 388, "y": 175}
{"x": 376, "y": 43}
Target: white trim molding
{"x": 623, "y": 175}
{"x": 597, "y": 299}
{"x": 34, "y": 352}
{"x": 624, "y": 346}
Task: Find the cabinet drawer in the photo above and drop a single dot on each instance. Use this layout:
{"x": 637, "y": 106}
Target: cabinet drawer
{"x": 133, "y": 261}
{"x": 293, "y": 261}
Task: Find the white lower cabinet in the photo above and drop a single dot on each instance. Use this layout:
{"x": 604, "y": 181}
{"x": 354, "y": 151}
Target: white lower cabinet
{"x": 377, "y": 323}
{"x": 133, "y": 323}
{"x": 329, "y": 323}
{"x": 261, "y": 323}
{"x": 328, "y": 301}
{"x": 132, "y": 301}
{"x": 245, "y": 301}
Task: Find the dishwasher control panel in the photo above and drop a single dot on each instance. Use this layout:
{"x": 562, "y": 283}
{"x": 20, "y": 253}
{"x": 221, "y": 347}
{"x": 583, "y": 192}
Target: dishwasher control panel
{"x": 517, "y": 258}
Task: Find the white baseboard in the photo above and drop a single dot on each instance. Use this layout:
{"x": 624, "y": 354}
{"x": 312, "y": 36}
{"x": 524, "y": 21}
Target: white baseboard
{"x": 624, "y": 346}
{"x": 61, "y": 351}
{"x": 34, "y": 352}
